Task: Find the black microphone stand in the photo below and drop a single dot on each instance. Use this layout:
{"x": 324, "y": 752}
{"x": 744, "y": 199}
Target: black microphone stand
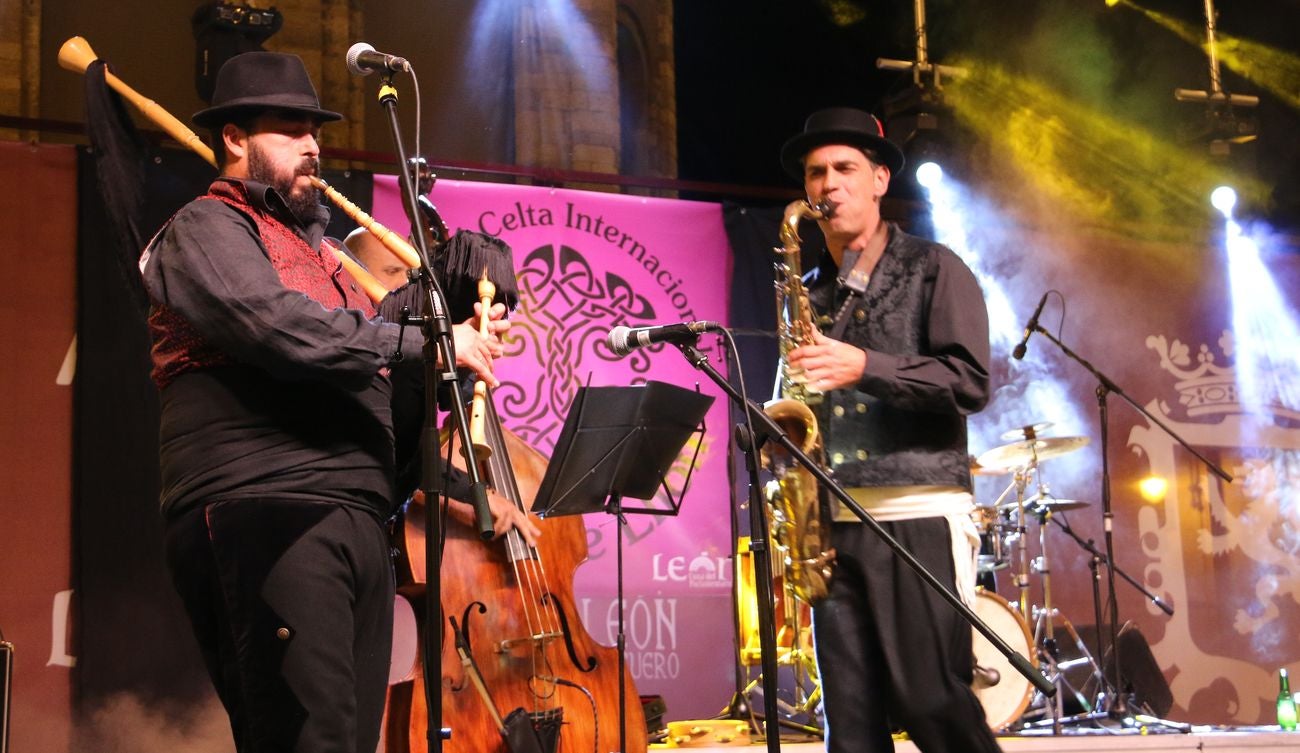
{"x": 1100, "y": 558}
{"x": 765, "y": 430}
{"x": 760, "y": 554}
{"x": 1118, "y": 709}
{"x": 439, "y": 347}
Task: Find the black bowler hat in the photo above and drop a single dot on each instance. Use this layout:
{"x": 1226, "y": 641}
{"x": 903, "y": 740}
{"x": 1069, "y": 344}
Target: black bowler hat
{"x": 258, "y": 81}
{"x": 840, "y": 125}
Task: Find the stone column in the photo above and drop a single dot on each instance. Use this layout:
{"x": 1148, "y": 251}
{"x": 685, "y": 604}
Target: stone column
{"x": 566, "y": 86}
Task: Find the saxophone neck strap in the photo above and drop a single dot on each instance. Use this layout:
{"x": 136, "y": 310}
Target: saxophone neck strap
{"x": 859, "y": 263}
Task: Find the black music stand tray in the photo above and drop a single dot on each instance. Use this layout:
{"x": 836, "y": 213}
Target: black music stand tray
{"x": 619, "y": 442}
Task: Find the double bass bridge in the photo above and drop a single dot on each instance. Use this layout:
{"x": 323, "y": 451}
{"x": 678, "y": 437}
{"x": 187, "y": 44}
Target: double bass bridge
{"x": 537, "y": 641}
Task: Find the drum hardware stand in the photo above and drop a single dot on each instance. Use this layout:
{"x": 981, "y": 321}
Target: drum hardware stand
{"x": 802, "y": 663}
{"x": 1020, "y": 482}
{"x": 1045, "y": 638}
{"x": 804, "y": 668}
{"x": 1105, "y": 691}
{"x": 1022, "y": 534}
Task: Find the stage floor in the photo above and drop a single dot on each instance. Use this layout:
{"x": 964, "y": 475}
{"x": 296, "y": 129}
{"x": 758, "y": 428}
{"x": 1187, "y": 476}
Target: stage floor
{"x": 1235, "y": 740}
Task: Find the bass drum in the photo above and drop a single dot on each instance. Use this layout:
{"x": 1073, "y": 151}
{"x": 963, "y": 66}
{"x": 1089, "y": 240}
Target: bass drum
{"x": 1007, "y": 700}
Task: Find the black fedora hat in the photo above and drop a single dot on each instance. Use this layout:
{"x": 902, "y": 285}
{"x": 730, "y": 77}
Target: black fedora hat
{"x": 840, "y": 125}
{"x": 256, "y": 81}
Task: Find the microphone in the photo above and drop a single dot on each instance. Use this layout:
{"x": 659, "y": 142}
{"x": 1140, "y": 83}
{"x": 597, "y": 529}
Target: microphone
{"x": 1019, "y": 351}
{"x": 624, "y": 340}
{"x": 363, "y": 61}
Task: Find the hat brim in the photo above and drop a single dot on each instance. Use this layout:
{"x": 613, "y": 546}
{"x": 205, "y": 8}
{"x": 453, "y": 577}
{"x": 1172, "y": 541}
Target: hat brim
{"x": 794, "y": 151}
{"x": 228, "y": 111}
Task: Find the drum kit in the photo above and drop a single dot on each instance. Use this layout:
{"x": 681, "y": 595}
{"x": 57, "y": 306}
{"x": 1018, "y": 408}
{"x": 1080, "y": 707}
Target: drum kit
{"x": 1003, "y": 526}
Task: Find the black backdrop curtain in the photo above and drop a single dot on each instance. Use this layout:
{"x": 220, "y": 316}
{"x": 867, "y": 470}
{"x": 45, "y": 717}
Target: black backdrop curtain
{"x": 132, "y": 635}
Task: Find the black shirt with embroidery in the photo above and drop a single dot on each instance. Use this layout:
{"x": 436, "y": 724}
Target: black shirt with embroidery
{"x": 924, "y": 326}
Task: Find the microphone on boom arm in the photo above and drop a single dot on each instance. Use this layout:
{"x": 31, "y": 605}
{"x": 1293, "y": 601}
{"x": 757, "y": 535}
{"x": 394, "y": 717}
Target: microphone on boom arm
{"x": 1019, "y": 351}
{"x": 363, "y": 60}
{"x": 624, "y": 340}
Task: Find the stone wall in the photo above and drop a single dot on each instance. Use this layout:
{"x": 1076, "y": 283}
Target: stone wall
{"x": 20, "y": 72}
{"x": 554, "y": 103}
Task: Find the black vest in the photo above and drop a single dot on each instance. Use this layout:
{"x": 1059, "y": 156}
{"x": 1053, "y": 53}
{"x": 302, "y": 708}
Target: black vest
{"x": 870, "y": 442}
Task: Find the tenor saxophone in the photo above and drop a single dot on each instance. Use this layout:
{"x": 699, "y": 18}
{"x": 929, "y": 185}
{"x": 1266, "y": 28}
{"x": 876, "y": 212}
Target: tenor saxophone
{"x": 801, "y": 539}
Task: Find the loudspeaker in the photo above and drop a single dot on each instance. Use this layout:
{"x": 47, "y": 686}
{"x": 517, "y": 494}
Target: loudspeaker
{"x": 6, "y": 683}
{"x": 1142, "y": 678}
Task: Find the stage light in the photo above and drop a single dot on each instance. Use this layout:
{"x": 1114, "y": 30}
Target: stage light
{"x": 1224, "y": 198}
{"x": 929, "y": 174}
{"x": 1273, "y": 68}
{"x": 1111, "y": 3}
{"x": 1153, "y": 488}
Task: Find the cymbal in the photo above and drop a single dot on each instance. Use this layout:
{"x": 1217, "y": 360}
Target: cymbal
{"x": 1021, "y": 454}
{"x": 1037, "y": 505}
{"x": 1026, "y": 432}
{"x": 978, "y": 470}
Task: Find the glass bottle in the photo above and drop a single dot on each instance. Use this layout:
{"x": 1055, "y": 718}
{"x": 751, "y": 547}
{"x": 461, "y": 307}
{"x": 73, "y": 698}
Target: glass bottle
{"x": 1286, "y": 712}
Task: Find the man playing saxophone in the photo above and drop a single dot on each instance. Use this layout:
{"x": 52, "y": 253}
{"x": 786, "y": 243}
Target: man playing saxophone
{"x": 903, "y": 362}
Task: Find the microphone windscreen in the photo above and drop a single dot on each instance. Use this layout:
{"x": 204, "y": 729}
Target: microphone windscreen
{"x": 618, "y": 340}
{"x": 354, "y": 54}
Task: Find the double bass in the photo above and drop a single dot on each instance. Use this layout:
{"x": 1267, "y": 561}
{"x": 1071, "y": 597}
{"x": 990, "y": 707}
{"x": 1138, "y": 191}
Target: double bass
{"x": 514, "y": 653}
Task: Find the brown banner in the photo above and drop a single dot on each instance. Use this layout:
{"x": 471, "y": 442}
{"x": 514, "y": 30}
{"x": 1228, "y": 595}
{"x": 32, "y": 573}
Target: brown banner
{"x": 37, "y": 312}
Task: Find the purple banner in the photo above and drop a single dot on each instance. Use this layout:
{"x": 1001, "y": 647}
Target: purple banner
{"x": 587, "y": 262}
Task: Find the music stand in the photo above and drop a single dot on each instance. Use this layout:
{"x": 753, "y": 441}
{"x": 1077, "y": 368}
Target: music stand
{"x": 619, "y": 442}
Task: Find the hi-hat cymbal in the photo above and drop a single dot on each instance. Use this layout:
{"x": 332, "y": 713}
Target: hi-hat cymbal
{"x": 1021, "y": 454}
{"x": 1038, "y": 506}
{"x": 1026, "y": 432}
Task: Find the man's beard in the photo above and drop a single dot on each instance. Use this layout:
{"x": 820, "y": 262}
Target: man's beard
{"x": 302, "y": 203}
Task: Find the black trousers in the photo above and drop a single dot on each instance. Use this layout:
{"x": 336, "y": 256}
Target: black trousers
{"x": 292, "y": 605}
{"x": 891, "y": 652}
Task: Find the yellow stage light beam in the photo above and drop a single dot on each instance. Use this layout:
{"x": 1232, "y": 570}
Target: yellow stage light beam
{"x": 1106, "y": 171}
{"x": 1272, "y": 69}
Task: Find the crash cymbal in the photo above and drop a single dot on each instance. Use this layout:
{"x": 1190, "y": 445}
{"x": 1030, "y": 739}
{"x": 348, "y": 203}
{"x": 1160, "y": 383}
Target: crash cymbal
{"x": 1021, "y": 454}
{"x": 1026, "y": 432}
{"x": 1052, "y": 505}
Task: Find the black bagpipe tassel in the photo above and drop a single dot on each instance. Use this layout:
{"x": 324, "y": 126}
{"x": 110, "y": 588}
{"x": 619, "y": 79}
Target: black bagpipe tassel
{"x": 460, "y": 263}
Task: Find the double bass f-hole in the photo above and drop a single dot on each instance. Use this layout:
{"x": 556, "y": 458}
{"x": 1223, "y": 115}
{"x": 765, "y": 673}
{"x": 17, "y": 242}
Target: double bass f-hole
{"x": 582, "y": 666}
